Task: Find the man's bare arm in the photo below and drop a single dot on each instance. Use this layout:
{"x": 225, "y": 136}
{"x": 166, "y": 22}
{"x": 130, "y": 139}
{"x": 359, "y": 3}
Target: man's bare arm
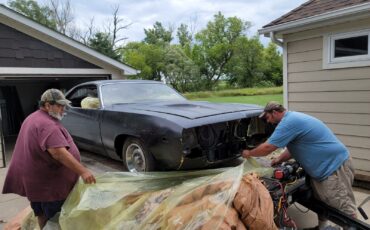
{"x": 263, "y": 149}
{"x": 63, "y": 156}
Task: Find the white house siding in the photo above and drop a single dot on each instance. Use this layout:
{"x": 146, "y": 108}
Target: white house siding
{"x": 339, "y": 97}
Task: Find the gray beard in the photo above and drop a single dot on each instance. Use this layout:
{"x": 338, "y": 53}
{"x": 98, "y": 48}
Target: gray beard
{"x": 56, "y": 115}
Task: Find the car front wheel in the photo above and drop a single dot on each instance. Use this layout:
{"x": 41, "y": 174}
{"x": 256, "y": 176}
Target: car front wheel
{"x": 136, "y": 157}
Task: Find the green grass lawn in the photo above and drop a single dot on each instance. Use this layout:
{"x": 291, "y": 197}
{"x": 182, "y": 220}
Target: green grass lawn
{"x": 235, "y": 92}
{"x": 259, "y": 96}
{"x": 256, "y": 99}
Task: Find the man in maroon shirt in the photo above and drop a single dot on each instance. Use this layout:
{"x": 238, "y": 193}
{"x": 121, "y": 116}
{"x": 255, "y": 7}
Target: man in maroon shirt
{"x": 46, "y": 162}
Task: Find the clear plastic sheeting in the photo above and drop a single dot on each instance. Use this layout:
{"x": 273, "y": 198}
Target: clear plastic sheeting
{"x": 158, "y": 200}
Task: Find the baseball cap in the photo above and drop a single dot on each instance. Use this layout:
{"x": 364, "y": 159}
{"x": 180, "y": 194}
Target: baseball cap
{"x": 54, "y": 96}
{"x": 271, "y": 106}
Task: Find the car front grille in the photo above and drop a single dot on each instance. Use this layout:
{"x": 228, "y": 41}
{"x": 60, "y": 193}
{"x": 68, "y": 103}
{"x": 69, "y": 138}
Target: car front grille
{"x": 222, "y": 140}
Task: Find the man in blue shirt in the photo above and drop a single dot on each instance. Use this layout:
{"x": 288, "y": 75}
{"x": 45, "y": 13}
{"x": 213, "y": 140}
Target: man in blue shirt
{"x": 324, "y": 158}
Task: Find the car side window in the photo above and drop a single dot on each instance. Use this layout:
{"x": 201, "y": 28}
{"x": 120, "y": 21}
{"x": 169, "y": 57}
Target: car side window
{"x": 85, "y": 97}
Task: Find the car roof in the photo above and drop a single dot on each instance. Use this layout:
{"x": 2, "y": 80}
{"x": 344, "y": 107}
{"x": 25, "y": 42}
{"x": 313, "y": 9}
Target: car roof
{"x": 104, "y": 82}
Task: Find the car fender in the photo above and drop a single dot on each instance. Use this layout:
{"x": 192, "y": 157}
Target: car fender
{"x": 161, "y": 136}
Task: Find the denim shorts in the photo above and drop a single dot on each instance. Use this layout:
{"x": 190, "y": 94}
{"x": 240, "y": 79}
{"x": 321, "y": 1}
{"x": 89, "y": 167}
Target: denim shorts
{"x": 48, "y": 209}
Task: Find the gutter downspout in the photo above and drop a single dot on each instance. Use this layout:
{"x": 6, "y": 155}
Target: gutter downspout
{"x": 275, "y": 40}
{"x": 285, "y": 67}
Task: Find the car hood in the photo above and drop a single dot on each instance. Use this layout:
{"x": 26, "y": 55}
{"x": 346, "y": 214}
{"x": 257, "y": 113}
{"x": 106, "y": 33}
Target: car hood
{"x": 190, "y": 110}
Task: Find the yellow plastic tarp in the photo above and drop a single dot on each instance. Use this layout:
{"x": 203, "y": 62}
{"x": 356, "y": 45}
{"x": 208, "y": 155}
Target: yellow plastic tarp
{"x": 155, "y": 200}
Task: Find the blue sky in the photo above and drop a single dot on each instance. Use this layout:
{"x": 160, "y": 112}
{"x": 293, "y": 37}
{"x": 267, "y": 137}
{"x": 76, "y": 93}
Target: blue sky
{"x": 144, "y": 13}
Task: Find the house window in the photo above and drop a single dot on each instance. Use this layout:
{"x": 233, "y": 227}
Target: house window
{"x": 347, "y": 50}
{"x": 353, "y": 46}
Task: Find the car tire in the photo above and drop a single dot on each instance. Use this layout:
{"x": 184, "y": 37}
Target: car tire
{"x": 136, "y": 157}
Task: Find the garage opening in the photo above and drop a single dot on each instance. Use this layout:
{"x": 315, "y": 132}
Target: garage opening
{"x": 19, "y": 97}
{"x": 11, "y": 110}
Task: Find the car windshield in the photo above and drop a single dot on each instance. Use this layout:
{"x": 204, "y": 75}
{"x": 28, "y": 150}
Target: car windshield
{"x": 138, "y": 92}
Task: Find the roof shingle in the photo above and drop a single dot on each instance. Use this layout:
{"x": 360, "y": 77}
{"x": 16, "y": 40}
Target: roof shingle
{"x": 314, "y": 7}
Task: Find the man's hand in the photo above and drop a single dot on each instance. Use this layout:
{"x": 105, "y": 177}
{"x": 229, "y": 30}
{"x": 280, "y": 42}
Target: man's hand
{"x": 262, "y": 150}
{"x": 275, "y": 161}
{"x": 246, "y": 153}
{"x": 88, "y": 177}
{"x": 63, "y": 156}
{"x": 282, "y": 158}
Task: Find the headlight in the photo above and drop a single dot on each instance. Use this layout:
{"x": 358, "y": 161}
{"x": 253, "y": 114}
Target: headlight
{"x": 207, "y": 136}
{"x": 240, "y": 130}
{"x": 189, "y": 138}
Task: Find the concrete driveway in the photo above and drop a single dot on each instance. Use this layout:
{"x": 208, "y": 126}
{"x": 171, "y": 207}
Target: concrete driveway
{"x": 11, "y": 204}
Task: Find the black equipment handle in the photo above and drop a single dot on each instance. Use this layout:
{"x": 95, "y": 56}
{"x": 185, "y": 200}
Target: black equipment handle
{"x": 361, "y": 210}
{"x": 363, "y": 214}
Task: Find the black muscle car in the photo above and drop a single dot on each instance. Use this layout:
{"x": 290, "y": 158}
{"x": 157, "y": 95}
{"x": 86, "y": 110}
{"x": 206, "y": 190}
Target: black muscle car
{"x": 150, "y": 126}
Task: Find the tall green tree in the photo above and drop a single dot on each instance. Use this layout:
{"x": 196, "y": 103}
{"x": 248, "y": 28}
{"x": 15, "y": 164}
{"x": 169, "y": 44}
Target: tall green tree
{"x": 215, "y": 47}
{"x": 273, "y": 64}
{"x": 185, "y": 38}
{"x": 30, "y": 8}
{"x": 179, "y": 70}
{"x": 102, "y": 43}
{"x": 147, "y": 58}
{"x": 158, "y": 34}
{"x": 184, "y": 35}
{"x": 247, "y": 65}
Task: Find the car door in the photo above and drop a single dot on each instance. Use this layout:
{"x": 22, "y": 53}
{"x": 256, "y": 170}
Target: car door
{"x": 83, "y": 122}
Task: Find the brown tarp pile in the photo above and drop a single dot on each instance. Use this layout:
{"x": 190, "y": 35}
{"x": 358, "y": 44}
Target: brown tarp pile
{"x": 252, "y": 207}
{"x": 254, "y": 204}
